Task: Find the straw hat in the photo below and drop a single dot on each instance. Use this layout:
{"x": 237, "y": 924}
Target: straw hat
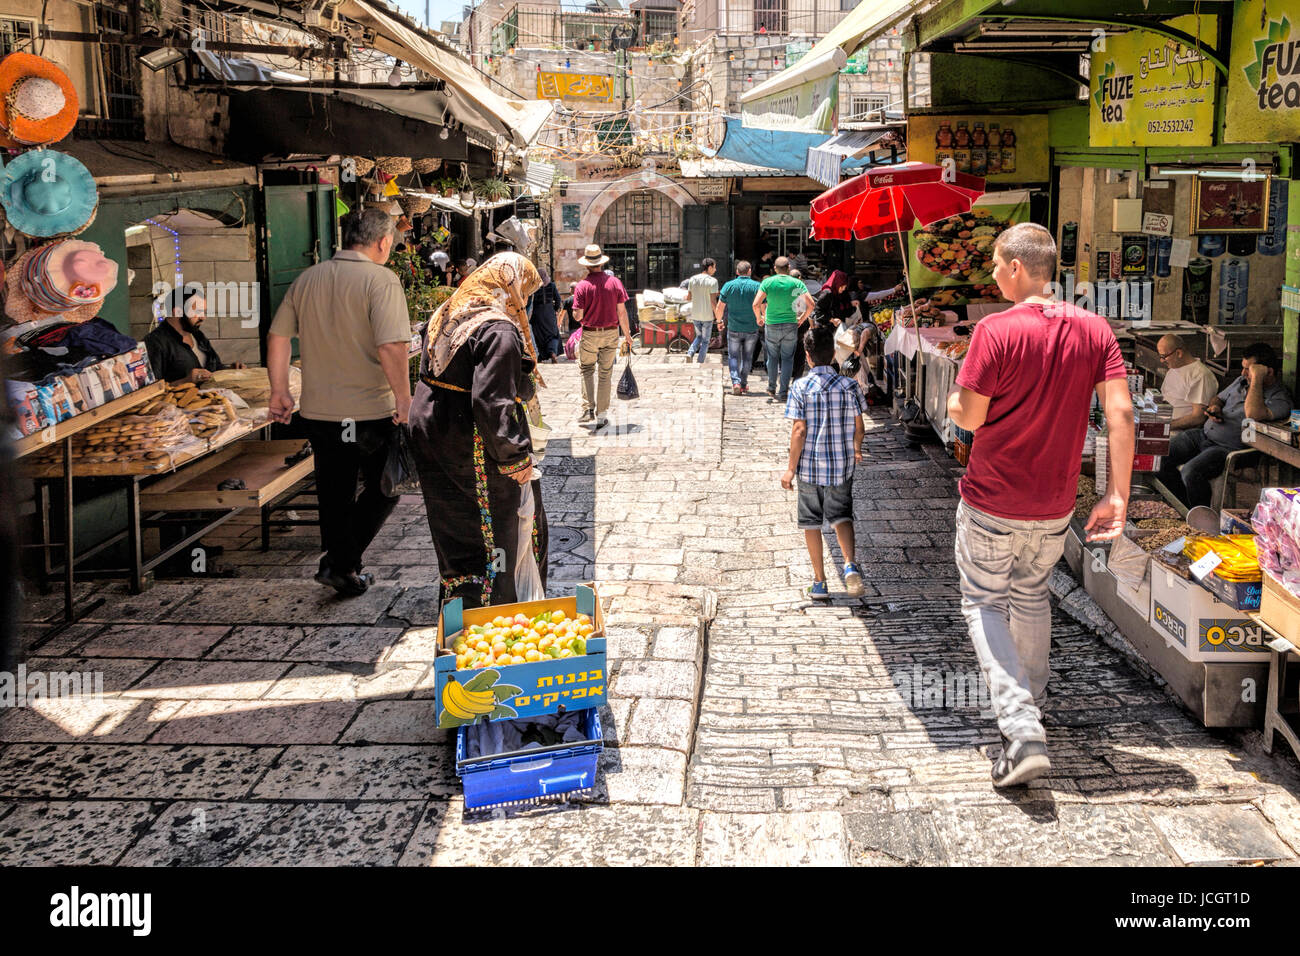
{"x": 38, "y": 103}
{"x": 592, "y": 256}
{"x": 68, "y": 279}
{"x": 46, "y": 193}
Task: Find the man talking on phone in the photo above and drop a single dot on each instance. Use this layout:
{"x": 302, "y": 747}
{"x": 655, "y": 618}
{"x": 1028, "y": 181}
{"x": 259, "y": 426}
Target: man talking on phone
{"x": 1025, "y": 390}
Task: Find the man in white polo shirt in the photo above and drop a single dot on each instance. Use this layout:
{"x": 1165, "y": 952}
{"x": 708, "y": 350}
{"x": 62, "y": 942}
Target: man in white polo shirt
{"x": 1189, "y": 385}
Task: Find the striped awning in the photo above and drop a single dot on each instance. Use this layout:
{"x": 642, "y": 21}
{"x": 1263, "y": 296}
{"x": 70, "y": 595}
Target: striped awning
{"x": 825, "y": 162}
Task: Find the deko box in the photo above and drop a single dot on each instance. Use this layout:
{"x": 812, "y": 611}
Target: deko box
{"x": 1199, "y": 625}
{"x": 547, "y": 686}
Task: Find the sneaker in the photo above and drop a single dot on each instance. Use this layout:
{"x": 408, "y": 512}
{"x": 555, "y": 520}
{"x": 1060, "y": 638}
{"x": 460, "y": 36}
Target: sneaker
{"x": 853, "y": 579}
{"x": 744, "y": 390}
{"x": 783, "y": 398}
{"x": 818, "y": 591}
{"x": 736, "y": 390}
{"x": 587, "y": 416}
{"x": 1021, "y": 761}
{"x": 771, "y": 393}
{"x": 601, "y": 421}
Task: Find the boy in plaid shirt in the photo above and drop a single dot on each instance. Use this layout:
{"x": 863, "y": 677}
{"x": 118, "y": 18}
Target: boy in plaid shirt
{"x": 825, "y": 444}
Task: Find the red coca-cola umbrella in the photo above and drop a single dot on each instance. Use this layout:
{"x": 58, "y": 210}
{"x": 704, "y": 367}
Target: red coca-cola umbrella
{"x": 890, "y": 199}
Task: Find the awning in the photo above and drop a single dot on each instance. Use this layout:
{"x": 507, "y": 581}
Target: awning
{"x": 715, "y": 168}
{"x": 869, "y": 19}
{"x": 472, "y": 102}
{"x": 825, "y": 162}
{"x": 454, "y": 205}
{"x": 539, "y": 177}
{"x": 781, "y": 150}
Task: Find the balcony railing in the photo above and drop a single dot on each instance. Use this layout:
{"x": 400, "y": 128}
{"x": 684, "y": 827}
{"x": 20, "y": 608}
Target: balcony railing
{"x": 813, "y": 18}
{"x": 647, "y": 132}
{"x": 537, "y": 26}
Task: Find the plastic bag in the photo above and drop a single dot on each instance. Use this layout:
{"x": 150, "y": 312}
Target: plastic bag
{"x": 528, "y": 580}
{"x": 627, "y": 389}
{"x": 571, "y": 346}
{"x": 399, "y": 467}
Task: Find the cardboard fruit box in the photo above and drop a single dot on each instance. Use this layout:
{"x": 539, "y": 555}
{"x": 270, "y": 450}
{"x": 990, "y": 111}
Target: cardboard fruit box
{"x": 547, "y": 686}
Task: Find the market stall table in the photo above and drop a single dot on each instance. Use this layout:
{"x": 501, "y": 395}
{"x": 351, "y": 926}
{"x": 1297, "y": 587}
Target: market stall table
{"x": 63, "y": 432}
{"x": 259, "y": 464}
{"x": 1282, "y": 705}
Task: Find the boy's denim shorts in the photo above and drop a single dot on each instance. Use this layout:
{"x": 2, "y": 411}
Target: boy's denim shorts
{"x": 829, "y": 503}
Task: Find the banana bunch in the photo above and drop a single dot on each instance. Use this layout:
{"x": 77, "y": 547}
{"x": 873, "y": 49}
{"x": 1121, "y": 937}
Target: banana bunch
{"x": 480, "y": 696}
{"x": 1237, "y": 551}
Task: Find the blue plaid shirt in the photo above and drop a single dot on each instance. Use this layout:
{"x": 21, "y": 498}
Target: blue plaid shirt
{"x": 829, "y": 403}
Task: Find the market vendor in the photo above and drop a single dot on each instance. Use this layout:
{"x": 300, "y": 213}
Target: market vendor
{"x": 178, "y": 349}
{"x": 1189, "y": 385}
{"x": 1197, "y": 456}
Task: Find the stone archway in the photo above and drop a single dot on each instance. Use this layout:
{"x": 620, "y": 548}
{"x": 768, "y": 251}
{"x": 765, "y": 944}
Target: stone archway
{"x": 568, "y": 246}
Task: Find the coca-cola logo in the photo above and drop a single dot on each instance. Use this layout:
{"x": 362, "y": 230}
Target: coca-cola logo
{"x": 884, "y": 180}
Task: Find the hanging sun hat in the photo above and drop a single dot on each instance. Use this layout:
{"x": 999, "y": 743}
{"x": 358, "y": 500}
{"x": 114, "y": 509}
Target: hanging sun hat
{"x": 47, "y": 193}
{"x": 38, "y": 103}
{"x": 592, "y": 256}
{"x": 68, "y": 279}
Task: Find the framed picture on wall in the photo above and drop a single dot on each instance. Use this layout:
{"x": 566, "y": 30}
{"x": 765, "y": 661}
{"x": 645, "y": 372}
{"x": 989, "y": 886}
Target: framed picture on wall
{"x": 1230, "y": 205}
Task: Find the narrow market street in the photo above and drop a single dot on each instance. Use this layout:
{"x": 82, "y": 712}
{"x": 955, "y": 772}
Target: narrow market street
{"x": 258, "y": 721}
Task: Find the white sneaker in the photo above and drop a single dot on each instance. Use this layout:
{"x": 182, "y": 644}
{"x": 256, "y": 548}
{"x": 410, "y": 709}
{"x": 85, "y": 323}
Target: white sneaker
{"x": 601, "y": 421}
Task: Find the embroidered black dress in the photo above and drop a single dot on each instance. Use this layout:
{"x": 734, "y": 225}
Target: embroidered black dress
{"x": 470, "y": 434}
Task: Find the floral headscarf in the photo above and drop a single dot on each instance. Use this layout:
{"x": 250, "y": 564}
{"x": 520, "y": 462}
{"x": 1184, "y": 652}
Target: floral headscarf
{"x": 497, "y": 289}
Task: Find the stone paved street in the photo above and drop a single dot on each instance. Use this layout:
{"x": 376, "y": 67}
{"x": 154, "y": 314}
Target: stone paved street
{"x": 260, "y": 721}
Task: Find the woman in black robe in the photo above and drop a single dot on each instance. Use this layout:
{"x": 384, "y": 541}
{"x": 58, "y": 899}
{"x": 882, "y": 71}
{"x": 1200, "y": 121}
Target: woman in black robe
{"x": 542, "y": 319}
{"x": 470, "y": 433}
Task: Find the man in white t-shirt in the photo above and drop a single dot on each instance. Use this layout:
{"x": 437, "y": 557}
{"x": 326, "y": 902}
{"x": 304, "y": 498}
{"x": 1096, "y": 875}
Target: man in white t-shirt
{"x": 1189, "y": 386}
{"x": 704, "y": 298}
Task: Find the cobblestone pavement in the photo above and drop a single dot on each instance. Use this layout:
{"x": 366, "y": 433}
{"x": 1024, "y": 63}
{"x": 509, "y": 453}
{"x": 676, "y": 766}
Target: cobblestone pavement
{"x": 260, "y": 721}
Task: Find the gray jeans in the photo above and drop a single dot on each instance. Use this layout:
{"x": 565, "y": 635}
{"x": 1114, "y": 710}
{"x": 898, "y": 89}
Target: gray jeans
{"x": 1004, "y": 567}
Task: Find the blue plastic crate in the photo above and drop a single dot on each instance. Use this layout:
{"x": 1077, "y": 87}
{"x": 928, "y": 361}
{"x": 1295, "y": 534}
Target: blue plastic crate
{"x": 526, "y": 776}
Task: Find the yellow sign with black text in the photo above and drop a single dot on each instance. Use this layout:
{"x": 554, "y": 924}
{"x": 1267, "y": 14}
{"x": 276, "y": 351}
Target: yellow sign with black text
{"x": 1264, "y": 73}
{"x": 1151, "y": 90}
{"x": 574, "y": 86}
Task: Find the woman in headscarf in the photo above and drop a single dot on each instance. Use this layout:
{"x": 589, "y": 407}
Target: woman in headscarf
{"x": 546, "y": 331}
{"x": 470, "y": 432}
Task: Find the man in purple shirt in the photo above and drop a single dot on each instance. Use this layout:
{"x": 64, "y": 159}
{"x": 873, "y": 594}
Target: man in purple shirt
{"x": 598, "y": 306}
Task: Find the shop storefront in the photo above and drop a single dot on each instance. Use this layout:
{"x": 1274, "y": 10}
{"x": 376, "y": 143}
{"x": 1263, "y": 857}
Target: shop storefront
{"x": 1172, "y": 195}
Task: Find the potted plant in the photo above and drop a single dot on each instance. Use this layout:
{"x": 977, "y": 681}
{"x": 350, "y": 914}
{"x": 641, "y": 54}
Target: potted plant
{"x": 492, "y": 190}
{"x": 423, "y": 292}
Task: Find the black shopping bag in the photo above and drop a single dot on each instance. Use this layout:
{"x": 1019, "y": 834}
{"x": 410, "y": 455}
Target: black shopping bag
{"x": 400, "y": 466}
{"x": 627, "y": 389}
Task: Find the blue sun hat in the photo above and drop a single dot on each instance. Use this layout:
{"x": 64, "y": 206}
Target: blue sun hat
{"x": 46, "y": 193}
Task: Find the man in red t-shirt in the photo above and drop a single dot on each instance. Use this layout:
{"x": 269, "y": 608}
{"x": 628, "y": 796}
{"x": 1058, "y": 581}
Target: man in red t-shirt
{"x": 598, "y": 305}
{"x": 1024, "y": 389}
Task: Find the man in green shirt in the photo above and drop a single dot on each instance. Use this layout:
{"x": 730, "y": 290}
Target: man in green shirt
{"x": 737, "y": 300}
{"x": 774, "y": 306}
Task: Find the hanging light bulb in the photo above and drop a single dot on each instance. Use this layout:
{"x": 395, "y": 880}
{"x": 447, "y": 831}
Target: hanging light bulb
{"x": 395, "y": 78}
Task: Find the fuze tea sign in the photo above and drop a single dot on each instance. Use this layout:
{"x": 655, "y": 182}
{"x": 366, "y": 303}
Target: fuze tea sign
{"x": 1150, "y": 90}
{"x": 1264, "y": 74}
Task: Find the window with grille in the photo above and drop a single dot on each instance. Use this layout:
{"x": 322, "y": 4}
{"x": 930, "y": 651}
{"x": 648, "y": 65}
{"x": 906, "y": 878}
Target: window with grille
{"x": 770, "y": 15}
{"x": 660, "y": 25}
{"x": 16, "y": 35}
{"x": 862, "y": 104}
{"x": 663, "y": 261}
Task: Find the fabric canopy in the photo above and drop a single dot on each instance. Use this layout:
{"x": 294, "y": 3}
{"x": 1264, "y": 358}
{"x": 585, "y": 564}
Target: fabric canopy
{"x": 772, "y": 149}
{"x": 826, "y": 162}
{"x": 868, "y": 20}
{"x": 472, "y": 103}
{"x": 889, "y": 199}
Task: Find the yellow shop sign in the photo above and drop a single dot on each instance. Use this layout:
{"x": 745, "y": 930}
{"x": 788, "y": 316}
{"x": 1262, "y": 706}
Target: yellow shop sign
{"x": 1150, "y": 90}
{"x": 574, "y": 86}
{"x": 1264, "y": 74}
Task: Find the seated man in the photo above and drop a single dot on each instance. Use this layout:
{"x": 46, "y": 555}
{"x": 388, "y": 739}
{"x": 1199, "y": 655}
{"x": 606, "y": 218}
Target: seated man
{"x": 1197, "y": 456}
{"x": 178, "y": 349}
{"x": 1189, "y": 385}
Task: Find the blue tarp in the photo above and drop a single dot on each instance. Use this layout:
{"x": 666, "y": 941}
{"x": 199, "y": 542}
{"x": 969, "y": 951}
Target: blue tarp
{"x": 776, "y": 149}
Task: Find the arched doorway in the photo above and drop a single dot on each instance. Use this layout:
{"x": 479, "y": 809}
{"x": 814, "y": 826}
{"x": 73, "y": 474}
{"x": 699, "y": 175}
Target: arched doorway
{"x": 642, "y": 235}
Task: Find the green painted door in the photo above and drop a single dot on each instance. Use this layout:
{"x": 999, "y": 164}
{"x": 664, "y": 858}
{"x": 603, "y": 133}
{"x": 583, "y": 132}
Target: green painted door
{"x": 298, "y": 230}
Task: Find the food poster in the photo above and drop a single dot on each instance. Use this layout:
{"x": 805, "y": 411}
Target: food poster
{"x": 1001, "y": 148}
{"x": 951, "y": 261}
{"x": 1264, "y": 73}
{"x": 1147, "y": 89}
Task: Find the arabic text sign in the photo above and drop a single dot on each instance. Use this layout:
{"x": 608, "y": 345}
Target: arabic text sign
{"x": 574, "y": 86}
{"x": 1150, "y": 90}
{"x": 1263, "y": 75}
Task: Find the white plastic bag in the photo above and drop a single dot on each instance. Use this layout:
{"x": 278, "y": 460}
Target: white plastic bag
{"x": 528, "y": 580}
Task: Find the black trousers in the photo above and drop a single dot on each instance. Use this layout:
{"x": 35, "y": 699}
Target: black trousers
{"x": 348, "y": 456}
